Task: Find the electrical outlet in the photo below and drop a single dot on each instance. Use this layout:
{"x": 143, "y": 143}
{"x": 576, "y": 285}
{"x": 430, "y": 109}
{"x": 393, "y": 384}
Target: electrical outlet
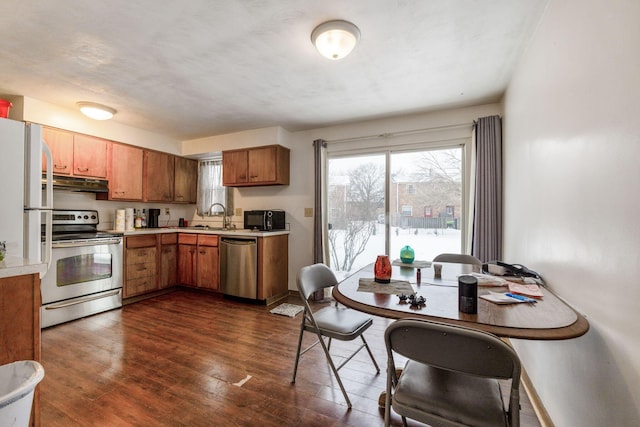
{"x": 308, "y": 212}
{"x": 238, "y": 211}
{"x": 167, "y": 211}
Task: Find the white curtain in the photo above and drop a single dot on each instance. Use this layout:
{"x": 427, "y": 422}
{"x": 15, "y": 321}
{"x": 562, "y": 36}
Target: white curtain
{"x": 210, "y": 188}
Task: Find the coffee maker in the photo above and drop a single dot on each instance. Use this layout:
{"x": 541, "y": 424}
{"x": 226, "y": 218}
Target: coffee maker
{"x": 152, "y": 221}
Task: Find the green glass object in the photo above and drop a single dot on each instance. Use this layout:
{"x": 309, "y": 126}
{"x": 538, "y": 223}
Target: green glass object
{"x": 407, "y": 255}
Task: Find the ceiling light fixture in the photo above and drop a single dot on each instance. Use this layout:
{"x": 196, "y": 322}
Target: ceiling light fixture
{"x": 96, "y": 111}
{"x": 335, "y": 39}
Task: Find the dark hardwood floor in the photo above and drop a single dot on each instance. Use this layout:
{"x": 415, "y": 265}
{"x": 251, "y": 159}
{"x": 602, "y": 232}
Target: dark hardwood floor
{"x": 192, "y": 359}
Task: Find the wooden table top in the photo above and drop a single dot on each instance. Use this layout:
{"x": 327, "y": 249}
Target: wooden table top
{"x": 548, "y": 319}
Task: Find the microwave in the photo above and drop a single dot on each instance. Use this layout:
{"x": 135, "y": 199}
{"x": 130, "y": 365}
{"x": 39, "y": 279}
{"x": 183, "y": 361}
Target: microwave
{"x": 264, "y": 220}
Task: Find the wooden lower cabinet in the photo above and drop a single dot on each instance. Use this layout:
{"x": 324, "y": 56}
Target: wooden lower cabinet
{"x": 153, "y": 262}
{"x": 187, "y": 252}
{"x": 168, "y": 260}
{"x": 199, "y": 261}
{"x": 273, "y": 267}
{"x": 20, "y": 326}
{"x": 141, "y": 267}
{"x": 208, "y": 268}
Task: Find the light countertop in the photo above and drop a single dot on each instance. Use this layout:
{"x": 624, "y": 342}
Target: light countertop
{"x": 13, "y": 266}
{"x": 196, "y": 230}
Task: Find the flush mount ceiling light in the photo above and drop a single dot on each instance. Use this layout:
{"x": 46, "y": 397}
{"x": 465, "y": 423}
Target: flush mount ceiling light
{"x": 335, "y": 39}
{"x": 96, "y": 111}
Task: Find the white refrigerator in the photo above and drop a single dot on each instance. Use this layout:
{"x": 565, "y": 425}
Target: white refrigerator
{"x": 26, "y": 199}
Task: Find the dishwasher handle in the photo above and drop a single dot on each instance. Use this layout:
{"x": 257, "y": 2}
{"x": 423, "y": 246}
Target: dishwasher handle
{"x": 238, "y": 242}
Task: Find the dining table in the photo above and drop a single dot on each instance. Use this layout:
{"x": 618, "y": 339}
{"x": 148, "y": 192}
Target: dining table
{"x": 549, "y": 318}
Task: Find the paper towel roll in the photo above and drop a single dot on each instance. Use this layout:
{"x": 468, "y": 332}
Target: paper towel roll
{"x": 128, "y": 219}
{"x": 119, "y": 222}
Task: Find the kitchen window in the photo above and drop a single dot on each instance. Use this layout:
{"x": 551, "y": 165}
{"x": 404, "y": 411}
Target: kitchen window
{"x": 210, "y": 188}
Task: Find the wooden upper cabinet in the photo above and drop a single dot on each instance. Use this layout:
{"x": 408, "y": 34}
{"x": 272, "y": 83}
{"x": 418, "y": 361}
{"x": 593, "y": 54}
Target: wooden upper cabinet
{"x": 125, "y": 181}
{"x": 158, "y": 176}
{"x": 235, "y": 167}
{"x": 76, "y": 154}
{"x": 185, "y": 180}
{"x": 266, "y": 165}
{"x": 89, "y": 156}
{"x": 61, "y": 145}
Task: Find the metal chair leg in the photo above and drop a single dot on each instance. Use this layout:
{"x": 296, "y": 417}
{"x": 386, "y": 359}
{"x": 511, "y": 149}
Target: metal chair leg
{"x": 295, "y": 367}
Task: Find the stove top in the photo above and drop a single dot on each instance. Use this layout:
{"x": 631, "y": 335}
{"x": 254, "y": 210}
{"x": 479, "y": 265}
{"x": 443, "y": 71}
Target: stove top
{"x": 70, "y": 225}
{"x": 58, "y": 237}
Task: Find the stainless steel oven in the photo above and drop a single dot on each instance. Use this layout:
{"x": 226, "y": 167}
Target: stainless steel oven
{"x": 85, "y": 276}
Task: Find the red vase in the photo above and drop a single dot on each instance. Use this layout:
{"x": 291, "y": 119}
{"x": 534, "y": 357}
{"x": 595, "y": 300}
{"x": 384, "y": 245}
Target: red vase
{"x": 382, "y": 269}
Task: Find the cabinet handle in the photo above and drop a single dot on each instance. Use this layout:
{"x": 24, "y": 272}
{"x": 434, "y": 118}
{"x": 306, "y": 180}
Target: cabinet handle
{"x": 142, "y": 268}
{"x": 83, "y": 169}
{"x": 202, "y": 252}
{"x": 121, "y": 193}
{"x": 59, "y": 166}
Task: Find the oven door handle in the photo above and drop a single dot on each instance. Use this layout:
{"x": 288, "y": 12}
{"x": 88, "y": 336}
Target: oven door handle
{"x": 78, "y": 243}
{"x": 81, "y": 300}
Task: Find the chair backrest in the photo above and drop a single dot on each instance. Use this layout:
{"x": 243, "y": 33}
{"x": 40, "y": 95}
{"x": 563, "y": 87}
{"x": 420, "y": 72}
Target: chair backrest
{"x": 458, "y": 258}
{"x": 313, "y": 278}
{"x": 454, "y": 348}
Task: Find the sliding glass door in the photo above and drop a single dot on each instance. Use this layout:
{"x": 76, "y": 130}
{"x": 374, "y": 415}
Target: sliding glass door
{"x": 355, "y": 202}
{"x": 380, "y": 202}
{"x": 426, "y": 202}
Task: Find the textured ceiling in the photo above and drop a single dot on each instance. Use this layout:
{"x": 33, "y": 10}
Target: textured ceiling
{"x": 207, "y": 67}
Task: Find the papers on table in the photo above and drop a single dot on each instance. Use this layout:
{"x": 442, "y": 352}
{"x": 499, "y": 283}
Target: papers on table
{"x": 397, "y": 287}
{"x": 530, "y": 290}
{"x": 487, "y": 279}
{"x": 499, "y": 298}
{"x": 415, "y": 264}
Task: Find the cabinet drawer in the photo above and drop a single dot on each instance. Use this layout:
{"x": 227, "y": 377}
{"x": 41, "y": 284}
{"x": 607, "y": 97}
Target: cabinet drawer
{"x": 139, "y": 286}
{"x": 205, "y": 240}
{"x": 145, "y": 241}
{"x": 137, "y": 271}
{"x": 169, "y": 239}
{"x": 187, "y": 239}
{"x": 141, "y": 255}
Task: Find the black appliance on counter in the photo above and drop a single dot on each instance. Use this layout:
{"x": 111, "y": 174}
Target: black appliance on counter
{"x": 152, "y": 220}
{"x": 264, "y": 220}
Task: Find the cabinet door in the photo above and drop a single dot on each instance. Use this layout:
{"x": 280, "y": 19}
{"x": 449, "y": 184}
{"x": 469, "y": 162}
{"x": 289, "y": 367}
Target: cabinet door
{"x": 61, "y": 145}
{"x": 186, "y": 180}
{"x": 168, "y": 266}
{"x": 208, "y": 267}
{"x": 273, "y": 266}
{"x": 234, "y": 167}
{"x": 262, "y": 164}
{"x": 158, "y": 177}
{"x": 89, "y": 156}
{"x": 187, "y": 264}
{"x": 20, "y": 329}
{"x": 125, "y": 182}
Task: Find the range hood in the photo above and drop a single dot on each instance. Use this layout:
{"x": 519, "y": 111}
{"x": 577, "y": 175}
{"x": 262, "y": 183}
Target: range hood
{"x": 72, "y": 183}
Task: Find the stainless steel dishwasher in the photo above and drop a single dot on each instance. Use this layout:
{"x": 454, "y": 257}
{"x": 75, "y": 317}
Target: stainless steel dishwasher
{"x": 239, "y": 266}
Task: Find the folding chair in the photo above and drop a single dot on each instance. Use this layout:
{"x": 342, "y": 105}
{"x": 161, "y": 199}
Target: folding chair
{"x": 335, "y": 321}
{"x": 451, "y": 376}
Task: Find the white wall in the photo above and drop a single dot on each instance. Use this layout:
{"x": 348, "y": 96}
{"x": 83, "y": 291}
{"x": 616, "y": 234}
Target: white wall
{"x": 572, "y": 197}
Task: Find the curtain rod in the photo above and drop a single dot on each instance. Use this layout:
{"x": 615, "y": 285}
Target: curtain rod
{"x": 406, "y": 132}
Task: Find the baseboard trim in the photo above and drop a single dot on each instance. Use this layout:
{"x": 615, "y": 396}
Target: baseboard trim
{"x": 534, "y": 398}
{"x": 536, "y": 402}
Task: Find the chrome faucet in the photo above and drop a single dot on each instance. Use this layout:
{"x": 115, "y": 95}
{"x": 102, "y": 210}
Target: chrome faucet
{"x": 225, "y": 220}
